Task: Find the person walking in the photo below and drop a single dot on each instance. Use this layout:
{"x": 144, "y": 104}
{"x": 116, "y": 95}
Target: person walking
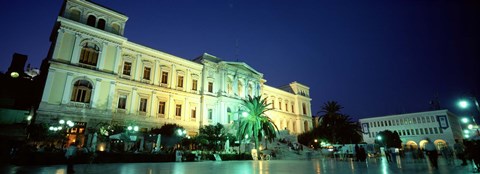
{"x": 459, "y": 149}
{"x": 432, "y": 153}
{"x": 70, "y": 154}
{"x": 447, "y": 153}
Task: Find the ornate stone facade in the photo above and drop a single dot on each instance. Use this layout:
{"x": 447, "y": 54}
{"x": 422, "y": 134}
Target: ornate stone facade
{"x": 96, "y": 75}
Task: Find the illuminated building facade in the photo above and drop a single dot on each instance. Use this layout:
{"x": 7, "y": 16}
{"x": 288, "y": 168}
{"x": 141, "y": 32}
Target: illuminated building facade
{"x": 440, "y": 126}
{"x": 96, "y": 75}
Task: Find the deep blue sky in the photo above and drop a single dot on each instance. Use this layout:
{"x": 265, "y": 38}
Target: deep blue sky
{"x": 373, "y": 57}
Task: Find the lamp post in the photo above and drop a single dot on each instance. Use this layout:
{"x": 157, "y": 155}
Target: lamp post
{"x": 464, "y": 104}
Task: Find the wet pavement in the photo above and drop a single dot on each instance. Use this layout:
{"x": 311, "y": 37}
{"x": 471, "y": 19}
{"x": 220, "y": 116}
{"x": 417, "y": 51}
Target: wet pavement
{"x": 316, "y": 166}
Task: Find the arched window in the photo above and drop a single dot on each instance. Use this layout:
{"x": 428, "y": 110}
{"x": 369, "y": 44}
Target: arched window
{"x": 75, "y": 15}
{"x": 82, "y": 91}
{"x": 89, "y": 54}
{"x": 91, "y": 20}
{"x": 116, "y": 28}
{"x": 229, "y": 86}
{"x": 101, "y": 24}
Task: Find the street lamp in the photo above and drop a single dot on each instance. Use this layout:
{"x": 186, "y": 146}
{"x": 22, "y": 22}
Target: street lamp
{"x": 465, "y": 120}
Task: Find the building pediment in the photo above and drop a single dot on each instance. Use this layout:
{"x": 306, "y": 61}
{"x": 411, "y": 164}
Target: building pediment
{"x": 241, "y": 66}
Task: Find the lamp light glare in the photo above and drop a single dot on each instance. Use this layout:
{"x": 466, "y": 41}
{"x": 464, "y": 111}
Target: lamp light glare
{"x": 464, "y": 120}
{"x": 463, "y": 104}
{"x": 129, "y": 127}
{"x": 135, "y": 128}
{"x": 470, "y": 126}
{"x": 244, "y": 114}
{"x": 61, "y": 121}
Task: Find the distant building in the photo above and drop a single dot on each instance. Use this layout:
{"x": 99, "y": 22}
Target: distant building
{"x": 96, "y": 75}
{"x": 440, "y": 126}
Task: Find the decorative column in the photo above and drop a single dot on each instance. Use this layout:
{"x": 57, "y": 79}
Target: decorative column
{"x": 156, "y": 80}
{"x": 187, "y": 87}
{"x": 172, "y": 77}
{"x": 118, "y": 57}
{"x": 96, "y": 92}
{"x": 134, "y": 100}
{"x": 59, "y": 42}
{"x": 111, "y": 94}
{"x": 103, "y": 53}
{"x": 48, "y": 85}
{"x": 67, "y": 88}
{"x": 76, "y": 49}
{"x": 170, "y": 108}
{"x": 224, "y": 81}
{"x": 245, "y": 88}
{"x": 152, "y": 104}
{"x": 186, "y": 114}
{"x": 137, "y": 71}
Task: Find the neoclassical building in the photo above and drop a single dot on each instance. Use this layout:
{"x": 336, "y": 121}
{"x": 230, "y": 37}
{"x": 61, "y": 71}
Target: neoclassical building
{"x": 440, "y": 126}
{"x": 96, "y": 75}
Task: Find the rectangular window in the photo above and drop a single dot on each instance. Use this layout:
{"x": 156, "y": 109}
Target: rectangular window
{"x": 127, "y": 68}
{"x": 194, "y": 113}
{"x": 441, "y": 130}
{"x": 273, "y": 104}
{"x": 210, "y": 86}
{"x": 426, "y": 131}
{"x": 210, "y": 114}
{"x": 411, "y": 130}
{"x": 436, "y": 130}
{"x": 293, "y": 110}
{"x": 180, "y": 82}
{"x": 416, "y": 131}
{"x": 286, "y": 107}
{"x": 161, "y": 107}
{"x": 122, "y": 101}
{"x": 423, "y": 119}
{"x": 143, "y": 105}
{"x": 389, "y": 123}
{"x": 403, "y": 131}
{"x": 178, "y": 110}
{"x": 146, "y": 73}
{"x": 421, "y": 131}
{"x": 408, "y": 132}
{"x": 280, "y": 105}
{"x": 428, "y": 119}
{"x": 164, "y": 77}
{"x": 414, "y": 120}
{"x": 304, "y": 107}
{"x": 194, "y": 85}
{"x": 433, "y": 118}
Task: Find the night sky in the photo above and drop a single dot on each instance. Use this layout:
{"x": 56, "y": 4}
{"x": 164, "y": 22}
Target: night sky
{"x": 374, "y": 57}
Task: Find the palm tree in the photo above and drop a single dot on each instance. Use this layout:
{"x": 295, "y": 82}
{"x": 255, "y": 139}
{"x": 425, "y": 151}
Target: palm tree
{"x": 268, "y": 130}
{"x": 256, "y": 121}
{"x": 338, "y": 127}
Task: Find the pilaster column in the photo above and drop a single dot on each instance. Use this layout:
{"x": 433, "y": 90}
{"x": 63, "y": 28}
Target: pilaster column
{"x": 76, "y": 49}
{"x": 103, "y": 53}
{"x": 224, "y": 81}
{"x": 67, "y": 88}
{"x": 152, "y": 104}
{"x": 173, "y": 79}
{"x": 118, "y": 57}
{"x": 111, "y": 94}
{"x": 133, "y": 101}
{"x": 58, "y": 42}
{"x": 186, "y": 113}
{"x": 156, "y": 79}
{"x": 245, "y": 88}
{"x": 170, "y": 108}
{"x": 188, "y": 85}
{"x": 138, "y": 70}
{"x": 96, "y": 92}
{"x": 235, "y": 85}
{"x": 48, "y": 85}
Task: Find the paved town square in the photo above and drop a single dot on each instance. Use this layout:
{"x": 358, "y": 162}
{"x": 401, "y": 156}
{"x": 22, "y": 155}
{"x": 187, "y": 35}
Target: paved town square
{"x": 317, "y": 166}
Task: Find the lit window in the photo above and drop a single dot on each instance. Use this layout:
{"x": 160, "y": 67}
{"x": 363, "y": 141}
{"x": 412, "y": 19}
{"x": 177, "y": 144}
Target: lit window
{"x": 210, "y": 86}
{"x": 180, "y": 82}
{"x": 127, "y": 68}
{"x": 89, "y": 54}
{"x": 146, "y": 73}
{"x": 210, "y": 114}
{"x": 82, "y": 90}
{"x": 273, "y": 104}
{"x": 293, "y": 111}
{"x": 122, "y": 101}
{"x": 194, "y": 114}
{"x": 164, "y": 77}
{"x": 161, "y": 107}
{"x": 178, "y": 110}
{"x": 143, "y": 105}
{"x": 194, "y": 85}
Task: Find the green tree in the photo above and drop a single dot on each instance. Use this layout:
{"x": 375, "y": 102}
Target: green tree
{"x": 214, "y": 135}
{"x": 256, "y": 121}
{"x": 337, "y": 127}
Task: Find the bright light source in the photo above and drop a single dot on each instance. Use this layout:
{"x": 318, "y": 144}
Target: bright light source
{"x": 61, "y": 121}
{"x": 465, "y": 120}
{"x": 315, "y": 140}
{"x": 14, "y": 74}
{"x": 179, "y": 132}
{"x": 379, "y": 138}
{"x": 466, "y": 131}
{"x": 463, "y": 104}
{"x": 470, "y": 126}
{"x": 466, "y": 136}
{"x": 29, "y": 118}
{"x": 135, "y": 128}
{"x": 129, "y": 127}
{"x": 59, "y": 128}
{"x": 244, "y": 114}
{"x": 50, "y": 128}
